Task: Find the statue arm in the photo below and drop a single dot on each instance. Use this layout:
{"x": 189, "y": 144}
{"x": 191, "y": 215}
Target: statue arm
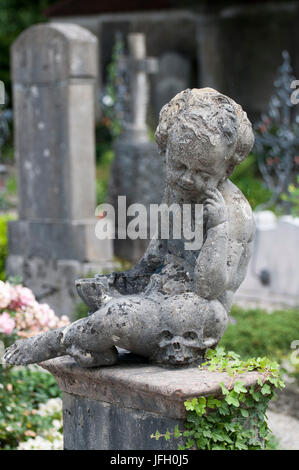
{"x": 210, "y": 273}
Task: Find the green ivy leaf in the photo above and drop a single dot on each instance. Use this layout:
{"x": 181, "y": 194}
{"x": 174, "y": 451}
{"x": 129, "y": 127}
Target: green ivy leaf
{"x": 177, "y": 432}
{"x": 239, "y": 387}
{"x": 201, "y": 406}
{"x": 266, "y": 389}
{"x": 244, "y": 413}
{"x": 189, "y": 443}
{"x": 224, "y": 390}
{"x": 232, "y": 399}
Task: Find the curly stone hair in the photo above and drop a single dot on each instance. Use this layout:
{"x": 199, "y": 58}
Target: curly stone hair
{"x": 207, "y": 112}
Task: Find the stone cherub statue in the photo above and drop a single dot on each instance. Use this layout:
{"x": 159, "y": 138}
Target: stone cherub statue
{"x": 174, "y": 304}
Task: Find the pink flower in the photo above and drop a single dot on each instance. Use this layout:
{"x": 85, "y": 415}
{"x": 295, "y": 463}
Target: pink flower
{"x": 7, "y": 323}
{"x": 45, "y": 315}
{"x": 5, "y": 295}
{"x": 22, "y": 297}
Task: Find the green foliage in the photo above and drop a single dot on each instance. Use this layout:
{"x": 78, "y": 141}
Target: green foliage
{"x": 21, "y": 391}
{"x": 103, "y": 169}
{"x": 3, "y": 243}
{"x": 80, "y": 311}
{"x": 293, "y": 198}
{"x": 257, "y": 332}
{"x": 248, "y": 180}
{"x": 234, "y": 419}
{"x": 8, "y": 192}
{"x": 111, "y": 116}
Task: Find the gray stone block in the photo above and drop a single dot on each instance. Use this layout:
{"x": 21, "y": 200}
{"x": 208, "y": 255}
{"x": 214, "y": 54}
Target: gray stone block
{"x": 119, "y": 407}
{"x": 94, "y": 425}
{"x": 73, "y": 240}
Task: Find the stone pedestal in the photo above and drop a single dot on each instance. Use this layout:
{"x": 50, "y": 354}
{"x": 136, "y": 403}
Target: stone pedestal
{"x": 119, "y": 407}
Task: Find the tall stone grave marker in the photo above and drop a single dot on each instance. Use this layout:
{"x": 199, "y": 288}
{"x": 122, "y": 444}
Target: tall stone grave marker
{"x": 137, "y": 171}
{"x": 173, "y": 77}
{"x": 54, "y": 67}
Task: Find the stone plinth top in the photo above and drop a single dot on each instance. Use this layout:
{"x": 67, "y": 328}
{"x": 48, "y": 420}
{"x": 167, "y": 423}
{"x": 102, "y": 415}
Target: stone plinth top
{"x": 141, "y": 386}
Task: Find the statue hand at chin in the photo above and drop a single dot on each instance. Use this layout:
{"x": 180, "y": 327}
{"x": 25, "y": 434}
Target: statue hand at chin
{"x": 215, "y": 211}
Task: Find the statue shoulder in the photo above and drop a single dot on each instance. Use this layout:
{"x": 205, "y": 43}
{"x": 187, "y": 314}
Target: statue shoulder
{"x": 241, "y": 220}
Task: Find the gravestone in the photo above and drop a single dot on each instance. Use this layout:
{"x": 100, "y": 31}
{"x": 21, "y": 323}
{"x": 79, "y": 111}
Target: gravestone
{"x": 137, "y": 171}
{"x": 173, "y": 76}
{"x": 272, "y": 278}
{"x": 54, "y": 68}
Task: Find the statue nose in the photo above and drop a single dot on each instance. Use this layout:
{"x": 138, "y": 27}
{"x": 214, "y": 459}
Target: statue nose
{"x": 187, "y": 179}
{"x": 176, "y": 346}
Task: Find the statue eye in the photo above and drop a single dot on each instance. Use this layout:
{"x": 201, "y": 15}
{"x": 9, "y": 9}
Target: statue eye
{"x": 181, "y": 166}
{"x": 167, "y": 335}
{"x": 190, "y": 335}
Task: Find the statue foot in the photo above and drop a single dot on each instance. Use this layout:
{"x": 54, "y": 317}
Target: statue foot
{"x": 93, "y": 359}
{"x": 36, "y": 349}
{"x": 90, "y": 291}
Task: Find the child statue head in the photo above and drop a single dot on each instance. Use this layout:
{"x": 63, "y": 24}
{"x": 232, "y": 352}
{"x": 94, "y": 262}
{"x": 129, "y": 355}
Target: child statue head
{"x": 204, "y": 135}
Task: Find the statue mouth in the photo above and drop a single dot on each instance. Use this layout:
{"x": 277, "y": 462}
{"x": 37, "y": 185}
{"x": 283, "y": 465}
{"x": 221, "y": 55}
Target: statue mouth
{"x": 179, "y": 361}
{"x": 185, "y": 188}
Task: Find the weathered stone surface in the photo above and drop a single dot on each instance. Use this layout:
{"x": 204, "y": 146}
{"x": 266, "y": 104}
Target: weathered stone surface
{"x": 120, "y": 407}
{"x": 54, "y": 125}
{"x": 65, "y": 239}
{"x": 94, "y": 425}
{"x": 141, "y": 386}
{"x": 174, "y": 304}
{"x": 54, "y": 52}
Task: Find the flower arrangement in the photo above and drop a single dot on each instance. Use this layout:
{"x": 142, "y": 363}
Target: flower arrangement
{"x": 21, "y": 315}
{"x": 50, "y": 438}
{"x": 26, "y": 421}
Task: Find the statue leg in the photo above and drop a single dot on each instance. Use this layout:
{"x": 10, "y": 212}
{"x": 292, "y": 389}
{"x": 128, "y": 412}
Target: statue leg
{"x": 36, "y": 349}
{"x": 90, "y": 341}
{"x": 76, "y": 340}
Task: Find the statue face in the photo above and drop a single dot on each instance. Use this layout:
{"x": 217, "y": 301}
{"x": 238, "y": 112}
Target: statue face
{"x": 196, "y": 164}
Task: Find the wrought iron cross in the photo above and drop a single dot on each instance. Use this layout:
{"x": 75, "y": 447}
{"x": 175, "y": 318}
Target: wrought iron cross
{"x": 277, "y": 137}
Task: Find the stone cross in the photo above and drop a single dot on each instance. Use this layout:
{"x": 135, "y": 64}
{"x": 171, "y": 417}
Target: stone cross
{"x": 54, "y": 69}
{"x": 137, "y": 171}
{"x": 2, "y": 92}
{"x": 139, "y": 67}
